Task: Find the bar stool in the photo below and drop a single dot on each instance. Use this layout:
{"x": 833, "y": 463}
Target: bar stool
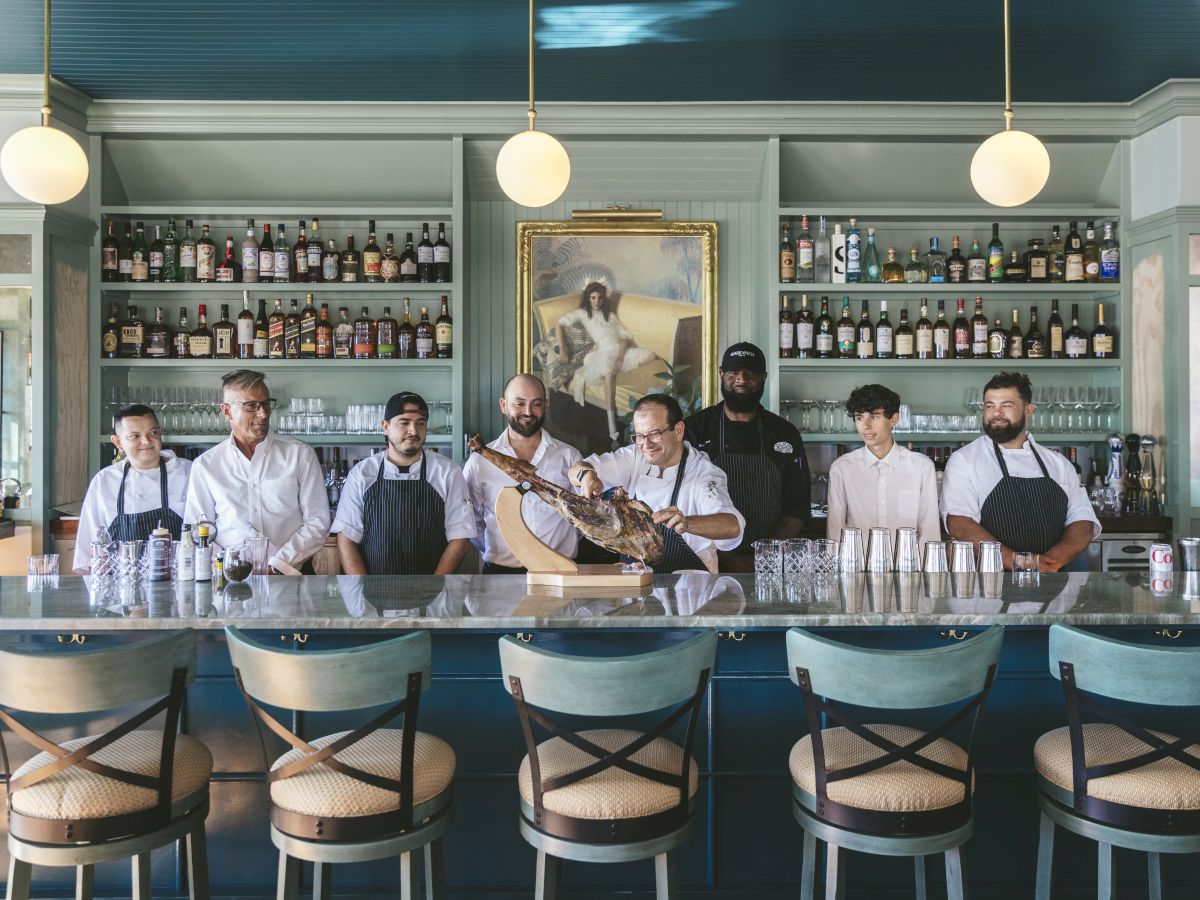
{"x": 886, "y": 789}
{"x": 1113, "y": 781}
{"x": 106, "y": 796}
{"x": 358, "y": 795}
{"x": 607, "y": 795}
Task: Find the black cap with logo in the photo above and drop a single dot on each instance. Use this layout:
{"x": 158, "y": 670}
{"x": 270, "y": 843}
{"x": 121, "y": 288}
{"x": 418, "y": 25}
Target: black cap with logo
{"x": 745, "y": 357}
{"x": 397, "y": 402}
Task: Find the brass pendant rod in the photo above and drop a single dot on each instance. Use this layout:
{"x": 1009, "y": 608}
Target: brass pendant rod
{"x": 532, "y": 111}
{"x": 46, "y": 63}
{"x": 1008, "y": 110}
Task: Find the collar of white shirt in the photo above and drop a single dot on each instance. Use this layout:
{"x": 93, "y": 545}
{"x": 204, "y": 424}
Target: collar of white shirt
{"x": 504, "y": 445}
{"x": 891, "y": 459}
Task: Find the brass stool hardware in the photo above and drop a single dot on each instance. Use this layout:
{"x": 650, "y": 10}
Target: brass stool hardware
{"x": 1167, "y": 633}
{"x": 524, "y": 637}
{"x": 296, "y": 637}
{"x": 72, "y": 638}
{"x": 737, "y": 636}
{"x": 954, "y": 634}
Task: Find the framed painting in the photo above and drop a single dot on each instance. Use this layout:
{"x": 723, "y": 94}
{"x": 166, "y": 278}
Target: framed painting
{"x": 609, "y": 311}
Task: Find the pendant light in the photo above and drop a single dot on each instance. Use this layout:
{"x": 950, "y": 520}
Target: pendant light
{"x": 532, "y": 167}
{"x": 43, "y": 164}
{"x": 1011, "y": 167}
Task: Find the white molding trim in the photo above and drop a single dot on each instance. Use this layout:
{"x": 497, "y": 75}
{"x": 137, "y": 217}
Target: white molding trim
{"x": 23, "y": 93}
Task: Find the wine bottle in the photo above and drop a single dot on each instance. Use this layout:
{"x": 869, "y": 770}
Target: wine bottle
{"x": 125, "y": 255}
{"x": 979, "y": 331}
{"x": 443, "y": 332}
{"x": 250, "y": 257}
{"x": 245, "y": 329}
{"x": 846, "y": 332}
{"x": 884, "y": 334}
{"x": 1016, "y": 338}
{"x": 408, "y": 261}
{"x": 865, "y": 335}
{"x": 995, "y": 257}
{"x": 905, "y": 339}
{"x": 804, "y": 330}
{"x": 262, "y": 332}
{"x": 425, "y": 256}
{"x": 266, "y": 255}
{"x": 943, "y": 347}
{"x": 108, "y": 255}
{"x": 206, "y": 257}
{"x": 156, "y": 256}
{"x": 182, "y": 337}
{"x": 924, "y": 333}
{"x": 283, "y": 257}
{"x": 441, "y": 256}
{"x": 1054, "y": 325}
{"x": 188, "y": 255}
{"x": 787, "y": 329}
{"x": 961, "y": 333}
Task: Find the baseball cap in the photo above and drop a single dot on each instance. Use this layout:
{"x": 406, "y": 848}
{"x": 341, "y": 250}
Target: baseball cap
{"x": 744, "y": 356}
{"x": 397, "y": 402}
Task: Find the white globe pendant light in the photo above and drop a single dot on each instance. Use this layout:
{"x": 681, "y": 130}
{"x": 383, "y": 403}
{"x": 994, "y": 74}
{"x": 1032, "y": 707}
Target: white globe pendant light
{"x": 532, "y": 167}
{"x": 1011, "y": 167}
{"x": 44, "y": 165}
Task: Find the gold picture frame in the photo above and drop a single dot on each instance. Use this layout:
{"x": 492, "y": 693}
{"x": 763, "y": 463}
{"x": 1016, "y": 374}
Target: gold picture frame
{"x": 657, "y": 312}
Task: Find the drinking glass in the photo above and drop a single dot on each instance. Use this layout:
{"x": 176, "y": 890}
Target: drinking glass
{"x": 833, "y": 422}
{"x": 785, "y": 410}
{"x": 45, "y": 564}
{"x": 806, "y": 407}
{"x": 1026, "y": 569}
{"x": 768, "y": 559}
{"x": 824, "y": 558}
{"x": 447, "y": 425}
{"x": 796, "y": 556}
{"x": 237, "y": 565}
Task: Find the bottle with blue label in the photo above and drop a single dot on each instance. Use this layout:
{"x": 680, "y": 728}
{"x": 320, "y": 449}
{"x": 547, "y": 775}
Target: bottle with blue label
{"x": 853, "y": 253}
{"x": 1110, "y": 255}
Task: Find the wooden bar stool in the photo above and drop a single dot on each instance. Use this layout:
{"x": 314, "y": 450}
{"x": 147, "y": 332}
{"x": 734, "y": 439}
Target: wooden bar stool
{"x": 105, "y": 796}
{"x": 607, "y": 795}
{"x": 886, "y": 789}
{"x": 1113, "y": 781}
{"x": 358, "y": 795}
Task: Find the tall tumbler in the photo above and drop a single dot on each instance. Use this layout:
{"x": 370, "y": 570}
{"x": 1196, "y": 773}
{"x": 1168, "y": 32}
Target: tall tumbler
{"x": 990, "y": 559}
{"x": 850, "y": 551}
{"x": 1188, "y": 553}
{"x": 935, "y": 557}
{"x": 907, "y": 555}
{"x": 879, "y": 550}
{"x": 768, "y": 559}
{"x": 962, "y": 556}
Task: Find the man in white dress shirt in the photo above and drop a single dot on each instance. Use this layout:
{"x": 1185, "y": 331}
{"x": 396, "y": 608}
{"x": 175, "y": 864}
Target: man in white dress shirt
{"x": 130, "y": 498}
{"x": 688, "y": 493}
{"x": 881, "y": 484}
{"x": 1005, "y": 487}
{"x": 524, "y": 406}
{"x": 260, "y": 482}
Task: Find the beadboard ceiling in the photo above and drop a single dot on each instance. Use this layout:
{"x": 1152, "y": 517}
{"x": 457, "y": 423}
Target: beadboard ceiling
{"x": 593, "y": 50}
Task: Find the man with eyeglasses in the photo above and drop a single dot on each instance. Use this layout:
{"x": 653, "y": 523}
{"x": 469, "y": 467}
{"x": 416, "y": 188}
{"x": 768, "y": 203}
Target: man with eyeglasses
{"x": 133, "y": 496}
{"x": 688, "y": 494}
{"x": 260, "y": 482}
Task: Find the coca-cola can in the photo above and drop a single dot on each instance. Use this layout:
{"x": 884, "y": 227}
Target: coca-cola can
{"x": 1162, "y": 556}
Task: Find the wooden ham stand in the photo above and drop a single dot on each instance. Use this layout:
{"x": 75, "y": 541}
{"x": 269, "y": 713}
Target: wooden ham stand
{"x": 546, "y": 566}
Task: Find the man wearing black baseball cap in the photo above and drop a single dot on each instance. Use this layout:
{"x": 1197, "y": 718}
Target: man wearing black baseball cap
{"x": 761, "y": 454}
{"x": 404, "y": 511}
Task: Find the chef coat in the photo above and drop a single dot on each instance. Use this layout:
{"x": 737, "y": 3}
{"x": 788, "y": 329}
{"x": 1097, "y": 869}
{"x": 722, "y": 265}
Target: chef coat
{"x": 553, "y": 459}
{"x": 278, "y": 493}
{"x": 898, "y": 491}
{"x": 143, "y": 492}
{"x": 704, "y": 491}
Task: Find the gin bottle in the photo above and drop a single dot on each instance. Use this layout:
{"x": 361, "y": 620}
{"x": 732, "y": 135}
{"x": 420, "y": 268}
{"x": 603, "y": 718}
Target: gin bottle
{"x": 821, "y": 255}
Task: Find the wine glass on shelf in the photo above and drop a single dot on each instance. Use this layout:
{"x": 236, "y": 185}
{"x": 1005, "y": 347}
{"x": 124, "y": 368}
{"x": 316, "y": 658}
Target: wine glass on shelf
{"x": 1111, "y": 403}
{"x": 786, "y": 408}
{"x": 829, "y": 422}
{"x": 1046, "y": 401}
{"x": 806, "y": 408}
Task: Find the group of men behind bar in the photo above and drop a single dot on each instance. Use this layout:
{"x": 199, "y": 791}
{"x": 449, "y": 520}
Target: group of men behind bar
{"x": 717, "y": 481}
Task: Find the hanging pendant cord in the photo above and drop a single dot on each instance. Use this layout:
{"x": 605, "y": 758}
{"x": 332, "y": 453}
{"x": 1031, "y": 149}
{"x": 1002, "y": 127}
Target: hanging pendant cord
{"x": 46, "y": 64}
{"x": 532, "y": 111}
{"x": 1008, "y": 111}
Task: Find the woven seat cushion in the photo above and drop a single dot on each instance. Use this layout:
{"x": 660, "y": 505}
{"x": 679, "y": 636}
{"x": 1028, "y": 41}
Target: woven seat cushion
{"x": 1166, "y": 784}
{"x": 613, "y": 793}
{"x": 899, "y": 787}
{"x": 75, "y": 793}
{"x": 320, "y": 791}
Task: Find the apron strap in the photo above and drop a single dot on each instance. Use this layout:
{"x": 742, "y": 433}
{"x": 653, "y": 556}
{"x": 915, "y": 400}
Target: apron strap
{"x": 679, "y": 476}
{"x": 1032, "y": 449}
{"x": 421, "y": 477}
{"x": 162, "y": 486}
{"x": 762, "y": 444}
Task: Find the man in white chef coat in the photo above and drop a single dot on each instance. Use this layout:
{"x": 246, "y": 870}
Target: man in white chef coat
{"x": 259, "y": 481}
{"x": 524, "y": 406}
{"x": 688, "y": 493}
{"x": 129, "y": 499}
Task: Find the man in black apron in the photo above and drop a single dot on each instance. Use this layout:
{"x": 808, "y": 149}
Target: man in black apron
{"x": 687, "y": 492}
{"x": 1004, "y": 487}
{"x": 404, "y": 511}
{"x": 761, "y": 454}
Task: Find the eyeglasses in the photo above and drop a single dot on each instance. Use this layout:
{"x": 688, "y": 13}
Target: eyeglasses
{"x": 650, "y": 437}
{"x": 253, "y": 406}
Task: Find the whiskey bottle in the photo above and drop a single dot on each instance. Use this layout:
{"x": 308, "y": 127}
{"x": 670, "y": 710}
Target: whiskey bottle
{"x": 331, "y": 263}
{"x": 245, "y": 329}
{"x": 1091, "y": 255}
{"x": 905, "y": 342}
{"x": 200, "y": 342}
{"x": 206, "y": 257}
{"x": 308, "y": 329}
{"x": 1015, "y": 271}
{"x": 924, "y": 333}
{"x": 125, "y": 256}
{"x": 825, "y": 332}
{"x": 385, "y": 335}
{"x": 408, "y": 261}
{"x": 389, "y": 264}
{"x": 846, "y": 332}
{"x": 935, "y": 262}
{"x": 343, "y": 335}
{"x": 956, "y": 265}
{"x": 443, "y": 332}
{"x": 425, "y": 256}
{"x": 110, "y": 337}
{"x": 266, "y": 255}
{"x": 276, "y": 348}
{"x": 865, "y": 335}
{"x": 916, "y": 272}
{"x": 441, "y": 256}
{"x": 1056, "y": 263}
{"x": 821, "y": 255}
{"x": 997, "y": 342}
{"x": 1104, "y": 341}
{"x": 1016, "y": 339}
{"x": 229, "y": 270}
{"x": 250, "y": 254}
{"x": 158, "y": 337}
{"x": 316, "y": 254}
{"x": 893, "y": 272}
{"x": 995, "y": 257}
{"x": 961, "y": 332}
{"x": 787, "y": 330}
{"x": 976, "y": 264}
{"x": 188, "y": 259}
{"x": 300, "y": 255}
{"x": 1035, "y": 341}
{"x": 1076, "y": 341}
{"x": 1054, "y": 325}
{"x": 1073, "y": 256}
{"x": 1037, "y": 262}
{"x": 351, "y": 262}
{"x": 979, "y": 331}
{"x": 291, "y": 332}
{"x": 141, "y": 256}
{"x": 224, "y": 336}
{"x": 262, "y": 332}
{"x": 870, "y": 263}
{"x": 108, "y": 255}
{"x": 324, "y": 334}
{"x": 787, "y": 255}
{"x": 372, "y": 257}
{"x": 1110, "y": 255}
{"x": 424, "y": 341}
{"x": 156, "y": 255}
{"x": 283, "y": 257}
{"x": 364, "y": 336}
{"x": 804, "y": 253}
{"x": 804, "y": 330}
{"x": 942, "y": 346}
{"x": 133, "y": 335}
{"x": 182, "y": 337}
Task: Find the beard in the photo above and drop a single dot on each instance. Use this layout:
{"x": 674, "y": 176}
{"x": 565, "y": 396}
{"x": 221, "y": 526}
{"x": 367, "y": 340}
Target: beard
{"x": 742, "y": 402}
{"x": 527, "y": 428}
{"x": 1002, "y": 434}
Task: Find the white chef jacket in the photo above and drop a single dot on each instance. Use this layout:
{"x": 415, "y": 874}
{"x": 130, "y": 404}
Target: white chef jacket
{"x": 704, "y": 491}
{"x": 972, "y": 472}
{"x": 552, "y": 460}
{"x": 279, "y": 493}
{"x": 143, "y": 491}
{"x": 444, "y": 477}
{"x": 898, "y": 491}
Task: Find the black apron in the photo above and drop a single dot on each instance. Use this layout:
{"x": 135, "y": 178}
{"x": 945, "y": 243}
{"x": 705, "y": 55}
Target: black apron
{"x": 1025, "y": 514}
{"x": 755, "y": 486}
{"x": 404, "y": 525}
{"x": 137, "y": 526}
{"x": 676, "y": 552}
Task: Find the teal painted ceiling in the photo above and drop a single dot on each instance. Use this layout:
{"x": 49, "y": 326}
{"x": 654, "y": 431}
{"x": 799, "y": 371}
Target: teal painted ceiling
{"x": 591, "y": 50}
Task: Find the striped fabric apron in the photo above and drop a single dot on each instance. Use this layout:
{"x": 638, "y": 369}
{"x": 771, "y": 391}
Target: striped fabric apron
{"x": 1025, "y": 514}
{"x": 404, "y": 525}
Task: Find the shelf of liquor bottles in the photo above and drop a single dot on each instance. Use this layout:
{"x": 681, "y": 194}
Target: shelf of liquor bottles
{"x": 269, "y": 365}
{"x": 946, "y": 365}
{"x": 917, "y": 212}
{"x": 1047, "y": 290}
{"x": 325, "y": 290}
{"x": 947, "y": 437}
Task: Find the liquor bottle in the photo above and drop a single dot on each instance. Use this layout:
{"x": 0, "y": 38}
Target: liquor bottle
{"x": 821, "y": 255}
{"x": 364, "y": 336}
{"x": 1076, "y": 342}
{"x": 425, "y": 256}
{"x": 804, "y": 330}
{"x": 979, "y": 331}
{"x": 1016, "y": 339}
{"x": 110, "y": 337}
{"x": 787, "y": 255}
{"x": 343, "y": 335}
{"x": 943, "y": 348}
{"x": 893, "y": 272}
{"x": 224, "y": 336}
{"x": 300, "y": 255}
{"x": 935, "y": 262}
{"x": 406, "y": 336}
{"x": 1054, "y": 325}
{"x": 424, "y": 341}
{"x": 787, "y": 330}
{"x": 389, "y": 264}
{"x": 324, "y": 334}
{"x": 905, "y": 342}
{"x": 245, "y": 329}
{"x": 283, "y": 257}
{"x": 125, "y": 256}
{"x": 408, "y": 261}
{"x": 1035, "y": 341}
{"x": 995, "y": 256}
{"x": 331, "y": 263}
{"x": 291, "y": 331}
{"x": 250, "y": 254}
{"x": 156, "y": 255}
{"x": 385, "y": 335}
{"x": 956, "y": 265}
{"x": 229, "y": 270}
{"x": 1073, "y": 256}
{"x": 916, "y": 272}
{"x": 976, "y": 264}
{"x": 865, "y": 335}
{"x": 884, "y": 334}
{"x": 825, "y": 332}
{"x": 1091, "y": 255}
{"x": 316, "y": 254}
{"x": 276, "y": 347}
{"x": 443, "y": 332}
{"x": 372, "y": 256}
{"x": 266, "y": 255}
{"x": 961, "y": 333}
{"x": 108, "y": 255}
{"x": 262, "y": 332}
{"x": 182, "y": 337}
{"x": 308, "y": 329}
{"x": 870, "y": 264}
{"x": 1056, "y": 264}
{"x": 997, "y": 342}
{"x": 351, "y": 262}
{"x": 846, "y": 332}
{"x": 141, "y": 255}
{"x": 837, "y": 256}
{"x": 853, "y": 253}
{"x": 1104, "y": 341}
{"x": 188, "y": 258}
{"x": 206, "y": 257}
{"x": 804, "y": 253}
{"x": 200, "y": 342}
{"x": 1015, "y": 271}
{"x": 1110, "y": 255}
{"x": 441, "y": 256}
{"x": 924, "y": 333}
